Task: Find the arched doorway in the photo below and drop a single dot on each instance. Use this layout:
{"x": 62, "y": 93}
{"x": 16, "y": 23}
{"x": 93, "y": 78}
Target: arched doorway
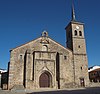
{"x": 45, "y": 80}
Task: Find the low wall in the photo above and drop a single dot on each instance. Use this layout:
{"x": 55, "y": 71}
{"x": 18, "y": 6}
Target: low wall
{"x": 92, "y": 84}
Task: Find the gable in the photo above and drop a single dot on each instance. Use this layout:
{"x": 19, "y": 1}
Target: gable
{"x": 42, "y": 44}
{"x": 58, "y": 45}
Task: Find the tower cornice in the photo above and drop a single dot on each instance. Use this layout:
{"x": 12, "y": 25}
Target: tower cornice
{"x": 74, "y": 22}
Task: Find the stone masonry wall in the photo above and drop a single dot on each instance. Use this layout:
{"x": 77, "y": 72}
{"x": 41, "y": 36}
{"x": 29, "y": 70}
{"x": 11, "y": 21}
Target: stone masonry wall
{"x": 24, "y": 55}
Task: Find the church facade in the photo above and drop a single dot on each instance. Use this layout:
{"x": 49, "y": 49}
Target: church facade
{"x": 44, "y": 63}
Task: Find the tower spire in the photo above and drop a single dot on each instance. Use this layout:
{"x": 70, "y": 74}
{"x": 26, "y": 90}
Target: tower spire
{"x": 73, "y": 11}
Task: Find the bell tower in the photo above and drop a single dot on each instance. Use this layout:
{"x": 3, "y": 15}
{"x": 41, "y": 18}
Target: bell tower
{"x": 76, "y": 42}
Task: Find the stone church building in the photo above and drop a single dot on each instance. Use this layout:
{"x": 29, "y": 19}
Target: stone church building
{"x": 44, "y": 63}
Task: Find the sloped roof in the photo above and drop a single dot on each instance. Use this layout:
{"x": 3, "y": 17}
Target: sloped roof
{"x": 2, "y": 70}
{"x": 93, "y": 68}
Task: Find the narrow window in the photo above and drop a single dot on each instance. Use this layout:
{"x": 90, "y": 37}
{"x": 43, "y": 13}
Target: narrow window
{"x": 75, "y": 33}
{"x": 21, "y": 57}
{"x": 65, "y": 57}
{"x": 81, "y": 68}
{"x": 79, "y": 46}
{"x": 80, "y": 33}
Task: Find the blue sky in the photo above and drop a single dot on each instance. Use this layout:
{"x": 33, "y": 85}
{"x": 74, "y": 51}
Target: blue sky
{"x": 24, "y": 20}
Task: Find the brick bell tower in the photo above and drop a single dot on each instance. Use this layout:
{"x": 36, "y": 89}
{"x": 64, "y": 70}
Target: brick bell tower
{"x": 76, "y": 43}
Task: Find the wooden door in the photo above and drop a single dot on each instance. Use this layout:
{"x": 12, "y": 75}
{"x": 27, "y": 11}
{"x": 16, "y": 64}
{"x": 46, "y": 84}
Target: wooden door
{"x": 82, "y": 82}
{"x": 44, "y": 80}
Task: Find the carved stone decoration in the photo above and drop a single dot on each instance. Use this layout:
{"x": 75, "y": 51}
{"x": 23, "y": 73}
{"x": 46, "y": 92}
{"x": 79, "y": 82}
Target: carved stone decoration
{"x": 45, "y": 39}
{"x": 44, "y": 33}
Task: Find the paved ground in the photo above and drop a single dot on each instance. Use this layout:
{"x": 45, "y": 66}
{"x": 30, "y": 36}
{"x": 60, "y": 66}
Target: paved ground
{"x": 94, "y": 90}
{"x": 11, "y": 92}
{"x": 78, "y": 91}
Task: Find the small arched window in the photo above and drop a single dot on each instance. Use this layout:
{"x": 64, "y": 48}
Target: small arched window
{"x": 75, "y": 33}
{"x": 80, "y": 33}
{"x": 21, "y": 57}
{"x": 45, "y": 48}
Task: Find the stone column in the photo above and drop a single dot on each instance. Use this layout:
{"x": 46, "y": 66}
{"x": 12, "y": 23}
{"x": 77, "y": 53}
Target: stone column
{"x": 28, "y": 77}
{"x": 61, "y": 70}
{"x": 11, "y": 71}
